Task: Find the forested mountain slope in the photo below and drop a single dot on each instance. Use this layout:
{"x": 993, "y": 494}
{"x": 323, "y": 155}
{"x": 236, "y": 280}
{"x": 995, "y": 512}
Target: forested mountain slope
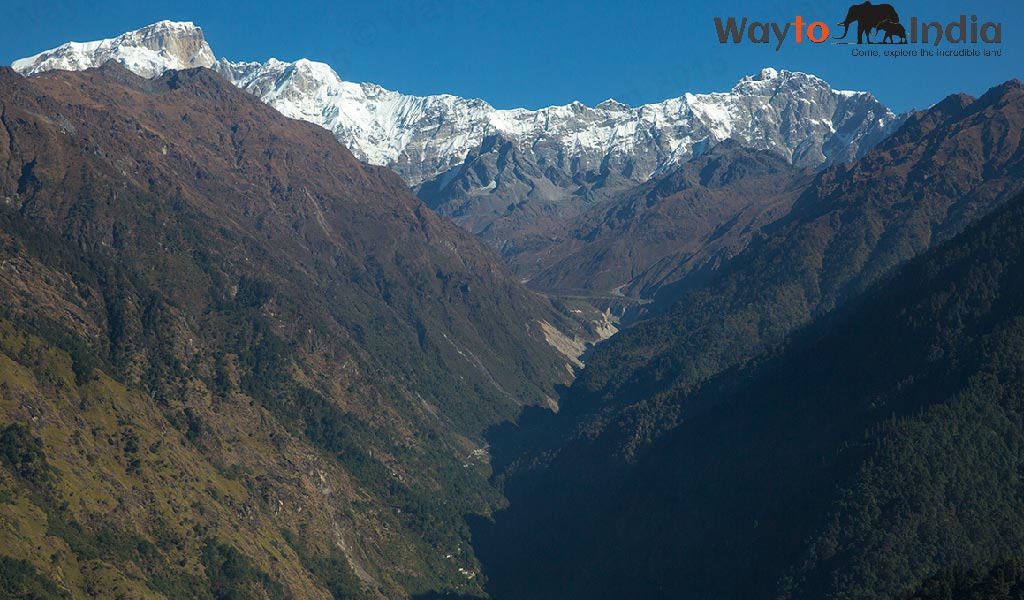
{"x": 230, "y": 347}
{"x": 879, "y": 448}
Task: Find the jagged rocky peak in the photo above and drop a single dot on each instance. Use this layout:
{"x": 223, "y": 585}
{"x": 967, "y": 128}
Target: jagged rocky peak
{"x": 766, "y": 74}
{"x": 147, "y": 52}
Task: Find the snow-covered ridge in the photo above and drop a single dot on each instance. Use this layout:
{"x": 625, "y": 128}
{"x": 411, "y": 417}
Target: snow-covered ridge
{"x": 422, "y": 137}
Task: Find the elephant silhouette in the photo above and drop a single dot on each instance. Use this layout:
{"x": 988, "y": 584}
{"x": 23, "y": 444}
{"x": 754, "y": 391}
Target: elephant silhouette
{"x": 868, "y": 16}
{"x": 892, "y": 29}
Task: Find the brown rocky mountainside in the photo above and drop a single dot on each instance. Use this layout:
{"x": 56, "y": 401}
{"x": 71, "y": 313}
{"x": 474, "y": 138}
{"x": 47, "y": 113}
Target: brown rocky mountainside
{"x": 235, "y": 360}
{"x": 693, "y": 218}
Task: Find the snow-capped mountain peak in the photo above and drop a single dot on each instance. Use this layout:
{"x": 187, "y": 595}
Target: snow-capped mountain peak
{"x": 148, "y": 51}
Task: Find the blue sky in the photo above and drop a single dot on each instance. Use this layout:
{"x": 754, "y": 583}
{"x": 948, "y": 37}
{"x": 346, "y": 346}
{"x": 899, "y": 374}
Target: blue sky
{"x": 533, "y": 53}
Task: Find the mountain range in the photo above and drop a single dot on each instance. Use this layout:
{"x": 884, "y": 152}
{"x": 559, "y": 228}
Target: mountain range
{"x": 239, "y": 359}
{"x": 423, "y": 137}
{"x": 516, "y": 176}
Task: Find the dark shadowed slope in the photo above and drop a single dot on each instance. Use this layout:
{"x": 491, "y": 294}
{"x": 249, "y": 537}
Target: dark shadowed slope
{"x": 877, "y": 448}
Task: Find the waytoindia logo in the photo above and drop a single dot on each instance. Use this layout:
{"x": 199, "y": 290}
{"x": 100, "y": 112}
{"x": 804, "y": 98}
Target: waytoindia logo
{"x": 870, "y": 19}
